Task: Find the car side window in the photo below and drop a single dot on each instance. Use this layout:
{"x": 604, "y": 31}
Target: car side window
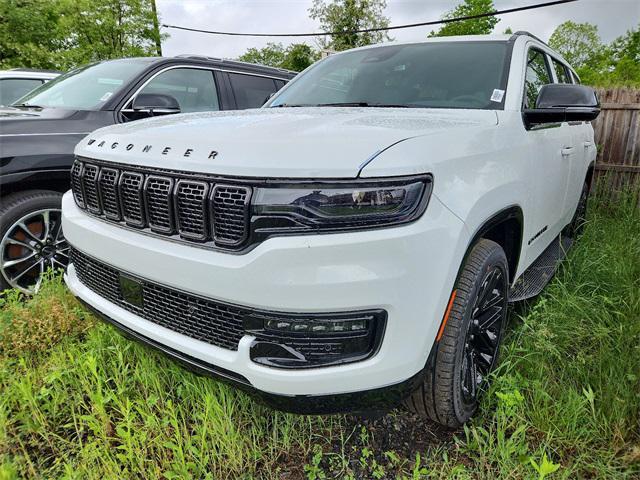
{"x": 12, "y": 89}
{"x": 193, "y": 88}
{"x": 562, "y": 72}
{"x": 537, "y": 75}
{"x": 251, "y": 91}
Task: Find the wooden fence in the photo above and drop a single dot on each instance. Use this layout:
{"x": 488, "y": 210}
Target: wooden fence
{"x": 617, "y": 135}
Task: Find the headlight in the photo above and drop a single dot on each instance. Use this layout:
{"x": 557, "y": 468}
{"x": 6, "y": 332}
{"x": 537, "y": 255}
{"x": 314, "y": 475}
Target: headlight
{"x": 292, "y": 207}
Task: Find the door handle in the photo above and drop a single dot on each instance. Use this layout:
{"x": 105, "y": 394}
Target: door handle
{"x": 566, "y": 151}
{"x": 587, "y": 144}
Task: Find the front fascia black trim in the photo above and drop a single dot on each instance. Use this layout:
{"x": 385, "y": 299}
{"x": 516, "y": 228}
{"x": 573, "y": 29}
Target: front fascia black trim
{"x": 383, "y": 398}
{"x": 256, "y": 182}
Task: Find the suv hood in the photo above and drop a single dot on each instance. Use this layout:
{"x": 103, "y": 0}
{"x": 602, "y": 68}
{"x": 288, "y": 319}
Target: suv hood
{"x": 33, "y": 121}
{"x": 273, "y": 142}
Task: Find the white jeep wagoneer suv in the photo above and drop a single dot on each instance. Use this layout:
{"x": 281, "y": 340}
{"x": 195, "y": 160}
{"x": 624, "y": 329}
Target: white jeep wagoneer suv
{"x": 354, "y": 243}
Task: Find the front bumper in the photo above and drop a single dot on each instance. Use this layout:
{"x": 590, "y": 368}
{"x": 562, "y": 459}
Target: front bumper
{"x": 407, "y": 271}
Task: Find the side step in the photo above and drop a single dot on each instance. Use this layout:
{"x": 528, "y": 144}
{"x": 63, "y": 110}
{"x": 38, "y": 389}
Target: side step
{"x": 536, "y": 277}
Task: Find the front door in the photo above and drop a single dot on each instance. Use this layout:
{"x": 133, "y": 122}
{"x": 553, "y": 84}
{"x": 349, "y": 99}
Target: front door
{"x": 552, "y": 151}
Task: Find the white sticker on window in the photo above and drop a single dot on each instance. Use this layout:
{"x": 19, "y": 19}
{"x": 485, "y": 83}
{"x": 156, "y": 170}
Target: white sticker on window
{"x": 106, "y": 96}
{"x": 497, "y": 95}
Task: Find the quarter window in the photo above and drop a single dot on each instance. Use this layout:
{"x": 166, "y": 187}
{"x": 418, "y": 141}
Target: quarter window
{"x": 251, "y": 91}
{"x": 193, "y": 88}
{"x": 562, "y": 72}
{"x": 536, "y": 76}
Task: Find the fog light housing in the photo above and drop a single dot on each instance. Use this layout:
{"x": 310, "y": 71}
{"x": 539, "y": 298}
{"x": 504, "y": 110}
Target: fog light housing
{"x": 314, "y": 340}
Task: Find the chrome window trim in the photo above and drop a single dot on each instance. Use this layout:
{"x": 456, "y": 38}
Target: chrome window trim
{"x": 126, "y": 108}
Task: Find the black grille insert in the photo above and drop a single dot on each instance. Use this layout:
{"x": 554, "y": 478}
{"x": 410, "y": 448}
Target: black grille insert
{"x": 230, "y": 213}
{"x": 131, "y": 198}
{"x": 158, "y": 196}
{"x": 203, "y": 319}
{"x": 108, "y": 186}
{"x": 164, "y": 202}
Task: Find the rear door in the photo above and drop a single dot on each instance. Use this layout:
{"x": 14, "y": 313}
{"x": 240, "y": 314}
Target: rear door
{"x": 251, "y": 91}
{"x": 584, "y": 146}
{"x": 551, "y": 148}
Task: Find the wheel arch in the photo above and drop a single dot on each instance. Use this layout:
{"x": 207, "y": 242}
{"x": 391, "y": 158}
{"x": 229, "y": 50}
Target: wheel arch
{"x": 504, "y": 227}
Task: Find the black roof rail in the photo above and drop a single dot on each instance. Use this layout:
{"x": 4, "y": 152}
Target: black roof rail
{"x": 234, "y": 62}
{"x": 521, "y": 33}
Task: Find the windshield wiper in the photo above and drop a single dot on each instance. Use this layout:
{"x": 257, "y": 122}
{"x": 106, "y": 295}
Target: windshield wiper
{"x": 351, "y": 104}
{"x": 26, "y": 105}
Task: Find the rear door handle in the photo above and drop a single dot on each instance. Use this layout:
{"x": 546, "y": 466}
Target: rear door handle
{"x": 566, "y": 151}
{"x": 587, "y": 144}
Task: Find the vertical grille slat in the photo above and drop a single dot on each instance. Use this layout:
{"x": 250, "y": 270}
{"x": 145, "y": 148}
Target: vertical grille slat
{"x": 230, "y": 212}
{"x": 90, "y": 185}
{"x": 165, "y": 202}
{"x": 76, "y": 183}
{"x": 191, "y": 209}
{"x": 131, "y": 198}
{"x": 159, "y": 202}
{"x": 108, "y": 188}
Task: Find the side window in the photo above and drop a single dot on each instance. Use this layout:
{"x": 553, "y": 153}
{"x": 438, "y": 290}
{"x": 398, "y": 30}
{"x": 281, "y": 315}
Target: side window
{"x": 193, "y": 88}
{"x": 279, "y": 84}
{"x": 536, "y": 76}
{"x": 11, "y": 89}
{"x": 251, "y": 91}
{"x": 576, "y": 80}
{"x": 562, "y": 72}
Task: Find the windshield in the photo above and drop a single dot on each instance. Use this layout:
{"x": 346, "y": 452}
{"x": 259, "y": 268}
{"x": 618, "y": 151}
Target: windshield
{"x": 429, "y": 75}
{"x": 85, "y": 88}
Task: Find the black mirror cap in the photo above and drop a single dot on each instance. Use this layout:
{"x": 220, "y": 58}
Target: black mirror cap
{"x": 563, "y": 102}
{"x": 156, "y": 103}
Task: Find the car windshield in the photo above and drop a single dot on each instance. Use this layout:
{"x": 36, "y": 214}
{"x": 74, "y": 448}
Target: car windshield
{"x": 85, "y": 88}
{"x": 430, "y": 75}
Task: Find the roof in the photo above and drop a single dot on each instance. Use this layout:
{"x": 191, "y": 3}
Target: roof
{"x": 29, "y": 73}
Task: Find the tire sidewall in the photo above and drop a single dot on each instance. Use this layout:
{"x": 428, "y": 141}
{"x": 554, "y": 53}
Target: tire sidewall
{"x": 17, "y": 205}
{"x": 498, "y": 259}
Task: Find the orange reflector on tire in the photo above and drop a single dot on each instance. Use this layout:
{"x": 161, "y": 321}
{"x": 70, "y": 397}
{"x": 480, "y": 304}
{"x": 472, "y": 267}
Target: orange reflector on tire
{"x": 446, "y": 315}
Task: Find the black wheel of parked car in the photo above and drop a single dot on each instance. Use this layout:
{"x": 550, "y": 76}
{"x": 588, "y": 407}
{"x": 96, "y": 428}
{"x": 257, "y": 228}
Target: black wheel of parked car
{"x": 466, "y": 352}
{"x": 575, "y": 228}
{"x": 31, "y": 239}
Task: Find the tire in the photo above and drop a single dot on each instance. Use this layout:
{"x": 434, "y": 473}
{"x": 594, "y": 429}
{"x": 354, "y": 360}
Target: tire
{"x": 445, "y": 394}
{"x": 35, "y": 251}
{"x": 576, "y": 227}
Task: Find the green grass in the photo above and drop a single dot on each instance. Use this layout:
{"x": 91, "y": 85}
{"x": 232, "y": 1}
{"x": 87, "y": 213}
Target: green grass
{"x": 77, "y": 400}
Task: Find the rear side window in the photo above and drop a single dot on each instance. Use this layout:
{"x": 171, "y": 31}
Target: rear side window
{"x": 536, "y": 76}
{"x": 562, "y": 72}
{"x": 193, "y": 88}
{"x": 11, "y": 89}
{"x": 251, "y": 91}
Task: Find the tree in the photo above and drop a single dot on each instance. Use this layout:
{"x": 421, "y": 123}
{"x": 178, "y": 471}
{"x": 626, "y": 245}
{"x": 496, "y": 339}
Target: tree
{"x": 348, "y": 16}
{"x": 67, "y": 33}
{"x": 578, "y": 43}
{"x": 474, "y": 26}
{"x": 297, "y": 56}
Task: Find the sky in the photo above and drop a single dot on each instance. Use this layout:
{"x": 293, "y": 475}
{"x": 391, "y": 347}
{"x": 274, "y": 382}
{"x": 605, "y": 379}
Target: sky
{"x": 613, "y": 18}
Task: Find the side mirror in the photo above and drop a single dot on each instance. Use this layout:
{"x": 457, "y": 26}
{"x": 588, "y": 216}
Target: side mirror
{"x": 563, "y": 102}
{"x": 268, "y": 97}
{"x": 155, "y": 104}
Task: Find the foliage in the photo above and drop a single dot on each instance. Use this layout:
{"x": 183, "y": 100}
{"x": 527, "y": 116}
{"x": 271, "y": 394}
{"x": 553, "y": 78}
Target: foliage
{"x": 578, "y": 43}
{"x": 616, "y": 64}
{"x": 347, "y": 16}
{"x": 296, "y": 57}
{"x": 67, "y": 33}
{"x": 475, "y": 26}
{"x": 565, "y": 402}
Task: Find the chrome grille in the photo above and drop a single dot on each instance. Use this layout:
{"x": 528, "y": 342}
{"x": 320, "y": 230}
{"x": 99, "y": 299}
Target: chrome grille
{"x": 200, "y": 318}
{"x": 158, "y": 197}
{"x": 131, "y": 198}
{"x": 165, "y": 202}
{"x": 230, "y": 214}
{"x": 108, "y": 186}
